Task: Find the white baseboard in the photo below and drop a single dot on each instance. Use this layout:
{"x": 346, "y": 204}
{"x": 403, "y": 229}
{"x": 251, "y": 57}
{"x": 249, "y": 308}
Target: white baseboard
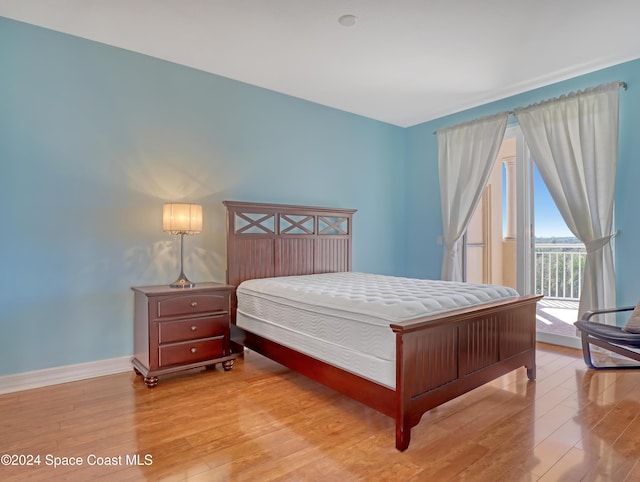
{"x": 63, "y": 374}
{"x": 567, "y": 341}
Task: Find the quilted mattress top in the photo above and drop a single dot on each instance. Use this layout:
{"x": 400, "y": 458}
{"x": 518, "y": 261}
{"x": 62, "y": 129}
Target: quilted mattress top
{"x": 378, "y": 297}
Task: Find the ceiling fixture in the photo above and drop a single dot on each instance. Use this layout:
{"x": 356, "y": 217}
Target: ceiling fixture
{"x": 348, "y": 20}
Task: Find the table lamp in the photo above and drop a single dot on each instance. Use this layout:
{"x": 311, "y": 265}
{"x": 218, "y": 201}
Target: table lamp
{"x": 182, "y": 218}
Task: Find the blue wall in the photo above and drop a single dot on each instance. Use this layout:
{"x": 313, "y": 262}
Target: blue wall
{"x": 94, "y": 139}
{"x": 423, "y": 199}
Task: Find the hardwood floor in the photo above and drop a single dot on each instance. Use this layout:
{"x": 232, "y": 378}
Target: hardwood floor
{"x": 263, "y": 422}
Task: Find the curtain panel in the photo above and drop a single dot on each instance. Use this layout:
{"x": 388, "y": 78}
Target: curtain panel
{"x": 466, "y": 154}
{"x": 574, "y": 142}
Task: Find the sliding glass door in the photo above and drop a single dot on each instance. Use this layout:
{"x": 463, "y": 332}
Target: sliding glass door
{"x": 501, "y": 245}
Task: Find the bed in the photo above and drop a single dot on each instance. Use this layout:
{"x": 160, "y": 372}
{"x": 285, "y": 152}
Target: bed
{"x": 435, "y": 357}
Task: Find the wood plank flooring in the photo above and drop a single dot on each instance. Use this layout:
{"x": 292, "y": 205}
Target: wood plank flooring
{"x": 262, "y": 422}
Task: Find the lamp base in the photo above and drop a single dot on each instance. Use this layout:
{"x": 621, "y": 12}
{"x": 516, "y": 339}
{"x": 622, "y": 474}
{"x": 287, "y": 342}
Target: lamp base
{"x": 182, "y": 282}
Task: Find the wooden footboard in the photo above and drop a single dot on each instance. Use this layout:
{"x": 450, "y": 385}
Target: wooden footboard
{"x": 442, "y": 357}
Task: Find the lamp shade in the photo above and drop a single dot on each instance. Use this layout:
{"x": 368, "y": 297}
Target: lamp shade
{"x": 182, "y": 218}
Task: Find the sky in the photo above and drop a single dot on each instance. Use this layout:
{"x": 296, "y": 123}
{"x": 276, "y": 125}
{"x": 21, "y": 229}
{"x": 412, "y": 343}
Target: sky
{"x": 548, "y": 222}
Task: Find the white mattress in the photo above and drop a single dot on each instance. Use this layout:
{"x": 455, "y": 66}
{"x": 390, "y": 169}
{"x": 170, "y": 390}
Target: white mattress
{"x": 343, "y": 318}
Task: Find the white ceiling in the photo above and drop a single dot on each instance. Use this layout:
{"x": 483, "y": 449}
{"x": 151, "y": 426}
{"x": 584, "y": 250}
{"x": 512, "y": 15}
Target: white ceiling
{"x": 404, "y": 62}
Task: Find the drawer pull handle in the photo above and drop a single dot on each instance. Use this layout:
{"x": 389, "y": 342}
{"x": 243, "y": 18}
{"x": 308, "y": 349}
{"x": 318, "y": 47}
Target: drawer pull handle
{"x": 194, "y": 350}
{"x": 194, "y": 328}
{"x": 194, "y": 304}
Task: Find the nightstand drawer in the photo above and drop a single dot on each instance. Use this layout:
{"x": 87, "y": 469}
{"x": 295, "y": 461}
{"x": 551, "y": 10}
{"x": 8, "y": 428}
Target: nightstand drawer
{"x": 184, "y": 353}
{"x": 173, "y": 331}
{"x": 190, "y": 304}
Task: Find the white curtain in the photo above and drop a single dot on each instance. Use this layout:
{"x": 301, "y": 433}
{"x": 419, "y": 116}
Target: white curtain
{"x": 574, "y": 142}
{"x": 466, "y": 154}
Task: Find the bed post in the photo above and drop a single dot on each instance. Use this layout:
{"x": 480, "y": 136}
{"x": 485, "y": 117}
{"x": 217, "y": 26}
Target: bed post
{"x": 403, "y": 427}
{"x": 531, "y": 366}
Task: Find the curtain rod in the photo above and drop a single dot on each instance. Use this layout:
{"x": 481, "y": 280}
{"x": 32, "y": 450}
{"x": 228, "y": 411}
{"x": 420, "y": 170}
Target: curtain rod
{"x": 512, "y": 112}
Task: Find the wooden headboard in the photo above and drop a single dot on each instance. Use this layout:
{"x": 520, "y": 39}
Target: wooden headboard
{"x": 265, "y": 240}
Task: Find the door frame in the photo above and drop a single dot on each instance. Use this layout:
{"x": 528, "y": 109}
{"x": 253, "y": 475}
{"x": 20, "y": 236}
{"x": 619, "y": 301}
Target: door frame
{"x": 525, "y": 241}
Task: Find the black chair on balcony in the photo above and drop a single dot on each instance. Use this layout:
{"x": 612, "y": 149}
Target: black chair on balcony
{"x": 614, "y": 338}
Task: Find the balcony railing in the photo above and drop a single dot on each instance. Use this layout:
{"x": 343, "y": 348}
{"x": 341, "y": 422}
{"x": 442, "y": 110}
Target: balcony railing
{"x": 559, "y": 270}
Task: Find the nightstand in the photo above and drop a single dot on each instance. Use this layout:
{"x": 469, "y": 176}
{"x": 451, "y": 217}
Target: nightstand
{"x": 181, "y": 328}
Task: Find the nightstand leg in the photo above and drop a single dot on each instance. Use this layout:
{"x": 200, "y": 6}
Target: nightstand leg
{"x": 151, "y": 381}
{"x": 137, "y": 371}
{"x": 227, "y": 365}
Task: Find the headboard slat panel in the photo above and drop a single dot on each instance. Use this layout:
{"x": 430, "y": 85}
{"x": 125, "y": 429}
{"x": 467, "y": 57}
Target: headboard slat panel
{"x": 252, "y": 258}
{"x": 331, "y": 255}
{"x": 294, "y": 256}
